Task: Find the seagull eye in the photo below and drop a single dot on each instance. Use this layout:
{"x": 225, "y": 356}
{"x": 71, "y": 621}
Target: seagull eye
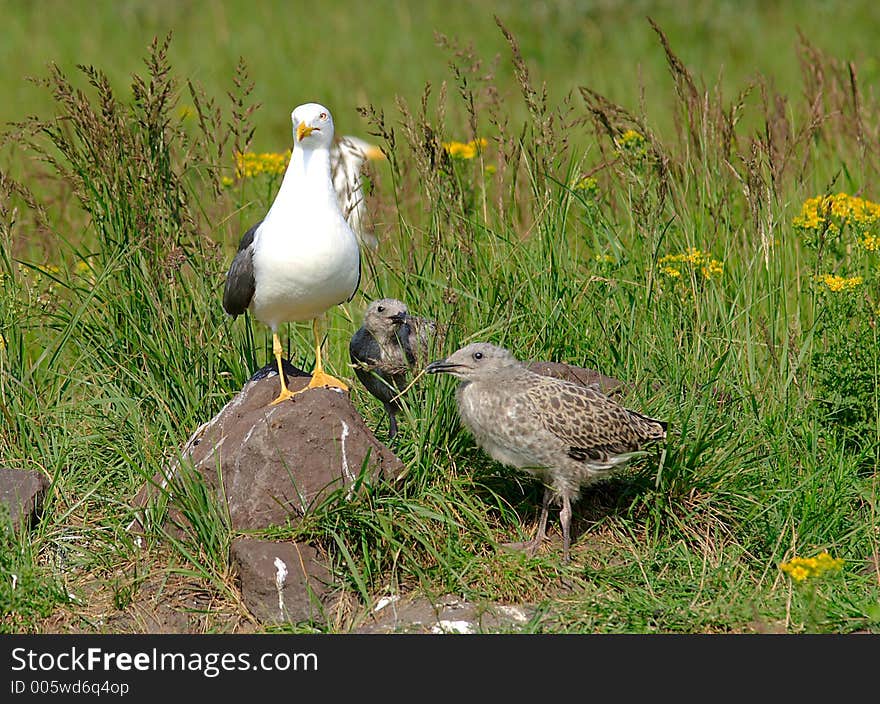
{"x": 478, "y": 355}
{"x": 322, "y": 116}
{"x": 381, "y": 309}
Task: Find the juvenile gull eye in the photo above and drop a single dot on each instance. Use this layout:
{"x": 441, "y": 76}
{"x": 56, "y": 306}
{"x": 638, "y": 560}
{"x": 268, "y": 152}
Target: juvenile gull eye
{"x": 478, "y": 355}
{"x": 381, "y": 309}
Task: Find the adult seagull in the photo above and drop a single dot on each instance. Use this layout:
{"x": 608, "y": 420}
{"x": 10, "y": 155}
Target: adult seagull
{"x": 303, "y": 257}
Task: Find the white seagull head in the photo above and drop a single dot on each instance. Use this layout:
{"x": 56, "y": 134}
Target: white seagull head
{"x": 312, "y": 126}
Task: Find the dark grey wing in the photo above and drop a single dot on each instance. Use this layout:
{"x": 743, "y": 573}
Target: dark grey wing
{"x": 240, "y": 282}
{"x": 381, "y": 380}
{"x": 358, "y": 283}
{"x": 363, "y": 348}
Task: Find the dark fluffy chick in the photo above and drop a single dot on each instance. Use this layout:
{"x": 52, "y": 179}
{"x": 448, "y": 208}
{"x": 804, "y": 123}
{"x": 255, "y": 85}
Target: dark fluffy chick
{"x": 567, "y": 435}
{"x": 389, "y": 343}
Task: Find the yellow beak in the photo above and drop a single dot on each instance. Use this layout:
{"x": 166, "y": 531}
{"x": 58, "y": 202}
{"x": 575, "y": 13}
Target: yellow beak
{"x": 303, "y": 130}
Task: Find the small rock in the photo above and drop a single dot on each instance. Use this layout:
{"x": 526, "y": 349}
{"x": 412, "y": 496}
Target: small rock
{"x": 22, "y": 493}
{"x": 608, "y": 385}
{"x": 448, "y": 615}
{"x": 280, "y": 582}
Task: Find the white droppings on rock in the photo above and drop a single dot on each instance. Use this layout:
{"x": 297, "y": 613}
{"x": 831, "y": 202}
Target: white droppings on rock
{"x": 513, "y": 612}
{"x": 385, "y": 601}
{"x": 280, "y": 578}
{"x": 214, "y": 449}
{"x": 346, "y": 470}
{"x": 444, "y": 626}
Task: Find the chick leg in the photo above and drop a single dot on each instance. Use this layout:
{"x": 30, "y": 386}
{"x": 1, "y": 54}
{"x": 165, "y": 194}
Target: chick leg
{"x": 530, "y": 547}
{"x": 565, "y": 519}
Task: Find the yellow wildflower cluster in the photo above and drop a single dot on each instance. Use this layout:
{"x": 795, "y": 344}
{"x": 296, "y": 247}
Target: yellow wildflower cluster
{"x": 49, "y": 269}
{"x": 671, "y": 264}
{"x": 836, "y": 284}
{"x": 586, "y": 184}
{"x": 250, "y": 164}
{"x": 801, "y": 568}
{"x": 870, "y": 243}
{"x": 632, "y": 143}
{"x": 821, "y": 212}
{"x": 465, "y": 150}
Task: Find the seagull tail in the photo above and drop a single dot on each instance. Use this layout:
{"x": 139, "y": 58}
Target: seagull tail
{"x": 655, "y": 429}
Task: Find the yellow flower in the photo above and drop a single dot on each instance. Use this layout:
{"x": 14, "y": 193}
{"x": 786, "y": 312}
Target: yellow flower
{"x": 817, "y": 213}
{"x": 801, "y": 568}
{"x": 588, "y": 184}
{"x": 836, "y": 284}
{"x": 796, "y": 572}
{"x": 81, "y": 267}
{"x": 465, "y": 150}
{"x": 871, "y": 243}
{"x": 632, "y": 143}
{"x": 694, "y": 259}
{"x": 227, "y": 181}
{"x": 49, "y": 269}
{"x": 713, "y": 268}
{"x": 251, "y": 164}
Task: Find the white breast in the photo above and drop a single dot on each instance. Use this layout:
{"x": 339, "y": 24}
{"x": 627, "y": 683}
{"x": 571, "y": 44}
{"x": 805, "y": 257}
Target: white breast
{"x": 305, "y": 256}
{"x": 301, "y": 272}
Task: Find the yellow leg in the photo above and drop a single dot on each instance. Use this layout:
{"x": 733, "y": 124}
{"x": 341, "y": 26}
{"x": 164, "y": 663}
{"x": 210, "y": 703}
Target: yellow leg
{"x": 319, "y": 376}
{"x": 285, "y": 392}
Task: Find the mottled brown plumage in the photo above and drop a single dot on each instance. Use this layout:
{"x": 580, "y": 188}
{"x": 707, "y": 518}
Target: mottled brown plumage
{"x": 567, "y": 435}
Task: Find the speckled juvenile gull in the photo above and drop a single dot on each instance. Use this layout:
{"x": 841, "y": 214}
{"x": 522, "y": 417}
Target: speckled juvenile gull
{"x": 389, "y": 344}
{"x": 567, "y": 435}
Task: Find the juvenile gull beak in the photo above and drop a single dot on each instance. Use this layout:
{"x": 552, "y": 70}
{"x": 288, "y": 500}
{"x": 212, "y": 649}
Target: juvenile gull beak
{"x": 399, "y": 318}
{"x": 440, "y": 366}
{"x": 303, "y": 130}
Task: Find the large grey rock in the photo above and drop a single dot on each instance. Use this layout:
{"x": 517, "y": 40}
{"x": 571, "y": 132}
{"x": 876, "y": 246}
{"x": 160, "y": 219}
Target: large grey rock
{"x": 608, "y": 385}
{"x": 21, "y": 495}
{"x": 276, "y": 461}
{"x": 280, "y": 582}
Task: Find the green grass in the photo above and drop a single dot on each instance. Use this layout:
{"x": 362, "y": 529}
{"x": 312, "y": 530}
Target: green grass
{"x": 115, "y": 234}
